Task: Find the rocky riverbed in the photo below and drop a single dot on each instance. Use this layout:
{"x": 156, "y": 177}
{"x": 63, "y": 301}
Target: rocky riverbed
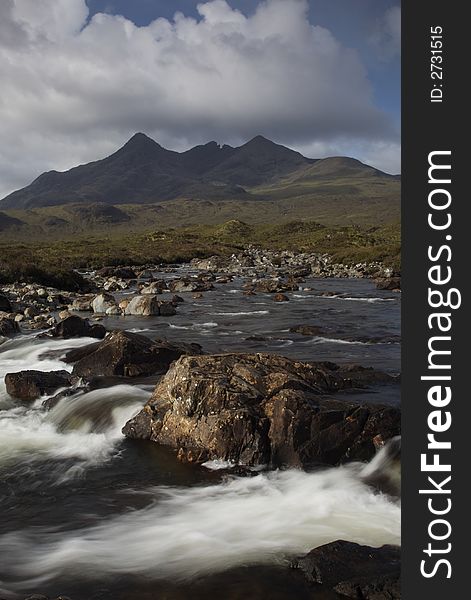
{"x": 250, "y": 420}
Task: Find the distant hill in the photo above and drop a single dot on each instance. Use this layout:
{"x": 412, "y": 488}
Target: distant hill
{"x": 143, "y": 172}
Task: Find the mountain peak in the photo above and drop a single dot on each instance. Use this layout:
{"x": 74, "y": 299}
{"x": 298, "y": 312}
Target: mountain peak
{"x": 259, "y": 140}
{"x": 141, "y": 140}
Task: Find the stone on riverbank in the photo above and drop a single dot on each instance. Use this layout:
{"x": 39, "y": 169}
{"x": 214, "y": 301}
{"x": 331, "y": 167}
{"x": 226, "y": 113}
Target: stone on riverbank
{"x": 263, "y": 409}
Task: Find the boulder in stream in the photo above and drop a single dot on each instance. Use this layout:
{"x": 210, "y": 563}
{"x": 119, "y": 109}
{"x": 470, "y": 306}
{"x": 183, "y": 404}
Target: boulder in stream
{"x": 355, "y": 571}
{"x": 262, "y": 409}
{"x": 8, "y": 327}
{"x": 74, "y": 327}
{"x": 31, "y": 385}
{"x": 127, "y": 354}
{"x": 149, "y": 305}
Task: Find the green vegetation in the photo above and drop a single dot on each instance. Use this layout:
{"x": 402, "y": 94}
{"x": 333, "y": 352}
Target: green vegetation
{"x": 25, "y": 260}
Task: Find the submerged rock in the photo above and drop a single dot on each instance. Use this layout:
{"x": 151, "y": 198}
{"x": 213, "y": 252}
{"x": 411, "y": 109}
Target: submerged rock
{"x": 355, "y": 571}
{"x": 31, "y": 385}
{"x": 256, "y": 409}
{"x": 307, "y": 329}
{"x": 127, "y": 354}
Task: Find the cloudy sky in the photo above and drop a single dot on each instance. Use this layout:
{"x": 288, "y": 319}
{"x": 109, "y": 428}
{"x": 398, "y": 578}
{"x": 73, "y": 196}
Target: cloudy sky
{"x": 79, "y": 77}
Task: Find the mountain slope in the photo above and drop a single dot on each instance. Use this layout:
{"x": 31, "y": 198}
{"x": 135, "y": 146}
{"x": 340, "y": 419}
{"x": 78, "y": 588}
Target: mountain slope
{"x": 143, "y": 172}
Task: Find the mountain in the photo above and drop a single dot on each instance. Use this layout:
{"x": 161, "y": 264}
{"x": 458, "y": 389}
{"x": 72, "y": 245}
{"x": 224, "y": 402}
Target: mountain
{"x": 143, "y": 172}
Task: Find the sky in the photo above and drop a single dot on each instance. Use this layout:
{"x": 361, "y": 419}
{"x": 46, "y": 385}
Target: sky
{"x": 79, "y": 77}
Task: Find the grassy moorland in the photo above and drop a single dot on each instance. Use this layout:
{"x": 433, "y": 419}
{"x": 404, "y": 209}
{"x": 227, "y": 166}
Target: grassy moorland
{"x": 31, "y": 260}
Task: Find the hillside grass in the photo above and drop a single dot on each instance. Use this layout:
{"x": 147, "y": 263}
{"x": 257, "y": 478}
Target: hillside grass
{"x": 178, "y": 245}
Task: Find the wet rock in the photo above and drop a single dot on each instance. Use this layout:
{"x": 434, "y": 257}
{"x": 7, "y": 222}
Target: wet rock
{"x": 149, "y": 305}
{"x": 392, "y": 284}
{"x": 189, "y": 285}
{"x": 31, "y": 312}
{"x": 75, "y": 327}
{"x": 82, "y": 304}
{"x": 280, "y": 298}
{"x": 127, "y": 354}
{"x": 274, "y": 286}
{"x": 51, "y": 402}
{"x": 312, "y": 330}
{"x": 355, "y": 571}
{"x": 102, "y": 302}
{"x": 31, "y": 385}
{"x": 8, "y": 327}
{"x": 167, "y": 309}
{"x": 176, "y": 299}
{"x": 5, "y": 304}
{"x": 261, "y": 409}
{"x": 156, "y": 287}
{"x": 197, "y": 296}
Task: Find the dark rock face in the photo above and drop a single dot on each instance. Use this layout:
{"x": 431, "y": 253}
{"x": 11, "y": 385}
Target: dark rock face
{"x": 31, "y": 385}
{"x": 8, "y": 327}
{"x": 355, "y": 571}
{"x": 127, "y": 354}
{"x": 5, "y": 305}
{"x": 262, "y": 409}
{"x": 74, "y": 326}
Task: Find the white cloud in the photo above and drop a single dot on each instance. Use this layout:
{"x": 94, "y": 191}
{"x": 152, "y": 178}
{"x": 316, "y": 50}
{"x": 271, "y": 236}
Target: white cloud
{"x": 73, "y": 91}
{"x": 386, "y": 39}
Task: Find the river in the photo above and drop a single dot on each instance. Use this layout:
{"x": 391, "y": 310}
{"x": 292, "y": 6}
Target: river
{"x": 91, "y": 515}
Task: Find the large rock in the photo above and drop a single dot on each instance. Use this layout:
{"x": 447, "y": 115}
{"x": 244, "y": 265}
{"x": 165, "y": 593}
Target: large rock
{"x": 8, "y": 327}
{"x": 149, "y": 305}
{"x": 31, "y": 385}
{"x": 82, "y": 303}
{"x": 5, "y": 305}
{"x": 262, "y": 409}
{"x": 74, "y": 327}
{"x": 127, "y": 354}
{"x": 102, "y": 303}
{"x": 355, "y": 571}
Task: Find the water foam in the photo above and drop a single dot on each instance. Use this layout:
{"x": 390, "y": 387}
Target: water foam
{"x": 188, "y": 532}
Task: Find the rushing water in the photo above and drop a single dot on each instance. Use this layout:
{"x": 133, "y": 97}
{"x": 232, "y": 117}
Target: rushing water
{"x": 91, "y": 515}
